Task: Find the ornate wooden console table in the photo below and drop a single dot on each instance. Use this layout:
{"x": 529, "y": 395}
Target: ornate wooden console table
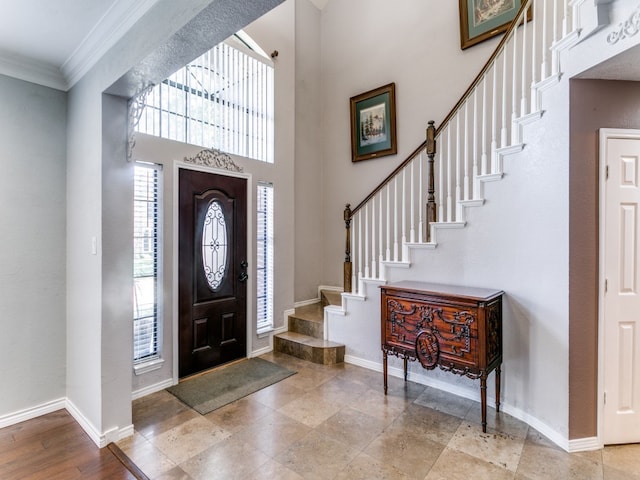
{"x": 456, "y": 328}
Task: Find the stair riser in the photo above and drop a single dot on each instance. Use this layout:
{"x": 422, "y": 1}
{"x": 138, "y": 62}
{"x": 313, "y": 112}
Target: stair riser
{"x": 323, "y": 356}
{"x": 306, "y": 327}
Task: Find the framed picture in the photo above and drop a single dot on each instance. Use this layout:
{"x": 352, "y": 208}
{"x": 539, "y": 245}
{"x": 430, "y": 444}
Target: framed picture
{"x": 373, "y": 123}
{"x": 484, "y": 19}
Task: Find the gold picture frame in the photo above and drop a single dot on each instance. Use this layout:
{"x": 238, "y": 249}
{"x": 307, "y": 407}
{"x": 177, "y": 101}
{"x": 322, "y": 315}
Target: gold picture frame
{"x": 373, "y": 123}
{"x": 481, "y": 20}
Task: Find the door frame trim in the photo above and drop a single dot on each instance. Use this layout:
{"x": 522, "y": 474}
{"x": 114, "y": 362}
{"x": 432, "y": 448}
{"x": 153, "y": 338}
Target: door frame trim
{"x": 604, "y": 134}
{"x": 250, "y": 234}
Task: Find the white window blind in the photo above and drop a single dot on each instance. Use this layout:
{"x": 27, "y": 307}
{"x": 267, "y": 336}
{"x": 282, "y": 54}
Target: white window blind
{"x": 264, "y": 264}
{"x": 222, "y": 100}
{"x": 146, "y": 261}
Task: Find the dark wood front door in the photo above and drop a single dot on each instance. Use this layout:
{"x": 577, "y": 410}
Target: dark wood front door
{"x": 212, "y": 270}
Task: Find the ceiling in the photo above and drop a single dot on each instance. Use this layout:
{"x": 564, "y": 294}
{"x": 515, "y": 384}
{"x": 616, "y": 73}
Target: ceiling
{"x": 55, "y": 42}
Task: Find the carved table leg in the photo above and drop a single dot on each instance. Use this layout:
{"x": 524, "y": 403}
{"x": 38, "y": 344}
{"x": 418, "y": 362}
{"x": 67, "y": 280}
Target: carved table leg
{"x": 405, "y": 369}
{"x": 384, "y": 370}
{"x": 498, "y": 388}
{"x": 483, "y": 400}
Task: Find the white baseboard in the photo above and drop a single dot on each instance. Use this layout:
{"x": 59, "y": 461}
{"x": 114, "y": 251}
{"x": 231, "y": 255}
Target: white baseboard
{"x": 87, "y": 426}
{"x": 544, "y": 429}
{"x": 156, "y": 387}
{"x": 584, "y": 444}
{"x": 33, "y": 412}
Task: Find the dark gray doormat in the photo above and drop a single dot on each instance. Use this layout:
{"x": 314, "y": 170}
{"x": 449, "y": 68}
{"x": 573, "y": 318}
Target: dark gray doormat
{"x": 226, "y": 384}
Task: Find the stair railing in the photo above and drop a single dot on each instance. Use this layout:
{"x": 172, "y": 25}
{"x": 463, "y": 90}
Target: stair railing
{"x": 483, "y": 126}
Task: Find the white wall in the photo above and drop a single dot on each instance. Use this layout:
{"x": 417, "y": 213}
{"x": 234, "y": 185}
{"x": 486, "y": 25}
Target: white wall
{"x": 32, "y": 245}
{"x": 309, "y": 144}
{"x": 367, "y": 44}
{"x": 149, "y": 48}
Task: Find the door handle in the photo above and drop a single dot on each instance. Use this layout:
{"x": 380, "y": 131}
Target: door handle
{"x": 243, "y": 274}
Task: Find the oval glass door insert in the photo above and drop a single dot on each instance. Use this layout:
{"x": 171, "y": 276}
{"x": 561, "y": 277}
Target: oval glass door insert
{"x": 214, "y": 245}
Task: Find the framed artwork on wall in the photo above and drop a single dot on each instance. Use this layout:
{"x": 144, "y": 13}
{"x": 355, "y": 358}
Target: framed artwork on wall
{"x": 373, "y": 123}
{"x": 481, "y": 20}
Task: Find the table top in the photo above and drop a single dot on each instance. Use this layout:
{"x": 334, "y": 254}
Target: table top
{"x": 460, "y": 291}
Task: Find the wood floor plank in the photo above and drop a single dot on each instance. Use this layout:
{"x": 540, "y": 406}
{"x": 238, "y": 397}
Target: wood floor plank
{"x": 53, "y": 447}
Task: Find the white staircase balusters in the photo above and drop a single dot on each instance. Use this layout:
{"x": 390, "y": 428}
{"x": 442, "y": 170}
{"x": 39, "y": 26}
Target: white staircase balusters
{"x": 421, "y": 200}
{"x": 523, "y": 79}
{"x": 366, "y": 241}
{"x": 486, "y": 124}
{"x": 543, "y": 46}
{"x": 467, "y": 194}
{"x": 483, "y": 122}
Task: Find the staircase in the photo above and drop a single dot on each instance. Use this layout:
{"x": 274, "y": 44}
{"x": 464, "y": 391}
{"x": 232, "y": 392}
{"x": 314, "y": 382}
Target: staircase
{"x": 306, "y": 338}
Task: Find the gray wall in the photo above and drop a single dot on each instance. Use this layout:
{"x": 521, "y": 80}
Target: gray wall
{"x": 32, "y": 244}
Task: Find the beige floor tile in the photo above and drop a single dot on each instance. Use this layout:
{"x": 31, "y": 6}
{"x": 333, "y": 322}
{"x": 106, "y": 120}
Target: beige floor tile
{"x": 188, "y": 439}
{"x": 310, "y": 409}
{"x": 146, "y": 456}
{"x": 159, "y": 412}
{"x": 625, "y": 458}
{"x": 454, "y": 465}
{"x": 495, "y": 447}
{"x": 446, "y": 402}
{"x": 543, "y": 463}
{"x": 498, "y": 421}
{"x": 229, "y": 459}
{"x": 273, "y": 470}
{"x": 612, "y": 473}
{"x": 407, "y": 450}
{"x": 308, "y": 378}
{"x": 239, "y": 414}
{"x": 352, "y": 427}
{"x": 336, "y": 422}
{"x": 434, "y": 425}
{"x": 273, "y": 433}
{"x": 342, "y": 391}
{"x": 364, "y": 467}
{"x": 175, "y": 473}
{"x": 379, "y": 405}
{"x": 317, "y": 456}
{"x": 277, "y": 395}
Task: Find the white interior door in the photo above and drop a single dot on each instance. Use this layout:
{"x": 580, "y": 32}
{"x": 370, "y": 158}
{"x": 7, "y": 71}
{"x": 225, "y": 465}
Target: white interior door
{"x": 620, "y": 312}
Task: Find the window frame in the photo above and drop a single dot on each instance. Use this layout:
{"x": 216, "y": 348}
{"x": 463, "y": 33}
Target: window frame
{"x": 153, "y": 360}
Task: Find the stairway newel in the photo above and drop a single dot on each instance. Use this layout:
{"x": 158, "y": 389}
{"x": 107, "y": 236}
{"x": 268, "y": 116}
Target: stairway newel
{"x": 431, "y": 197}
{"x": 347, "y": 251}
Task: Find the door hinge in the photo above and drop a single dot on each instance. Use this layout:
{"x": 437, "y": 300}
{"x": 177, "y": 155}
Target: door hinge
{"x": 606, "y": 175}
{"x": 606, "y": 285}
{"x": 605, "y": 398}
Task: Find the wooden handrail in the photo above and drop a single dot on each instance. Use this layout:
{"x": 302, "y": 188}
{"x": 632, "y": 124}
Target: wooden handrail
{"x": 389, "y": 177}
{"x": 451, "y": 114}
{"x": 505, "y": 38}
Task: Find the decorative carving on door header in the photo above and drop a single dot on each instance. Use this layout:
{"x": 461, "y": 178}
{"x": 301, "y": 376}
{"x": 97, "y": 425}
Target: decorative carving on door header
{"x": 628, "y": 28}
{"x": 211, "y": 157}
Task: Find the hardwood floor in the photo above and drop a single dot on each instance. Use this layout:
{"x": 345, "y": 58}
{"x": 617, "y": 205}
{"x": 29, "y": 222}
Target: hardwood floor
{"x": 55, "y": 447}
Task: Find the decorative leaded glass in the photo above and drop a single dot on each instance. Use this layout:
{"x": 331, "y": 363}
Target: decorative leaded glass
{"x": 214, "y": 245}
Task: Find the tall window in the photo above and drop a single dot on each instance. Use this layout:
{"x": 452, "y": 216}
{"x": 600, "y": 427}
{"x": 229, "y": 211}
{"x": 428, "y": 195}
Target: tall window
{"x": 146, "y": 258}
{"x": 222, "y": 100}
{"x": 264, "y": 263}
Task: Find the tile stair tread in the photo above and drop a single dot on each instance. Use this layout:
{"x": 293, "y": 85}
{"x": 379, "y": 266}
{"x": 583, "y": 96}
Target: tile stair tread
{"x": 312, "y": 313}
{"x": 308, "y": 340}
{"x": 333, "y": 297}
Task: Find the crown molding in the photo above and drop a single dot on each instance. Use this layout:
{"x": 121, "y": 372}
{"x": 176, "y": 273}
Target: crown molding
{"x": 32, "y": 71}
{"x": 122, "y": 15}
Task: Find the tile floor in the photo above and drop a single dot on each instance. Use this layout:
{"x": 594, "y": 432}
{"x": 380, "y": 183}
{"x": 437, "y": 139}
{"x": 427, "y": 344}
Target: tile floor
{"x": 334, "y": 422}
